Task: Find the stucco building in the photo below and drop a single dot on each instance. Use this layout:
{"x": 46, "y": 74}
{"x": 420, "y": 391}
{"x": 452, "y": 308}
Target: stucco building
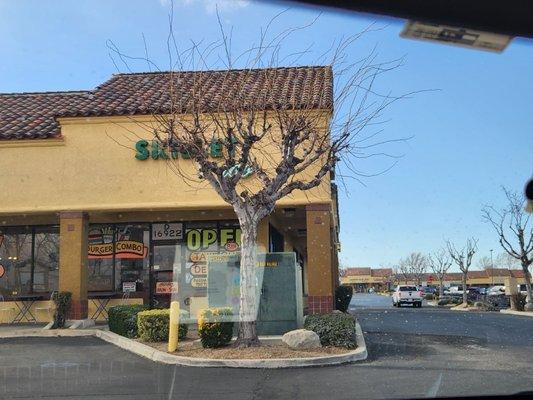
{"x": 382, "y": 279}
{"x": 81, "y": 211}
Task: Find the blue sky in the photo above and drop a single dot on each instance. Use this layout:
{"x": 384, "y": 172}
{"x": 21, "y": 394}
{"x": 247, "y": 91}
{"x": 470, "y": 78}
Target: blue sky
{"x": 469, "y": 137}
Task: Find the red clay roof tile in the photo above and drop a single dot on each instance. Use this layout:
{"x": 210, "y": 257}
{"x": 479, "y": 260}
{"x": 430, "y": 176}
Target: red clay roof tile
{"x": 33, "y": 115}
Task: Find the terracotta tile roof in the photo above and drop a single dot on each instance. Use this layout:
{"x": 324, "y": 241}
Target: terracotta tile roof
{"x": 357, "y": 271}
{"x": 497, "y": 272}
{"x": 32, "y": 115}
{"x": 517, "y": 273}
{"x": 381, "y": 272}
{"x": 477, "y": 274}
{"x": 453, "y": 276}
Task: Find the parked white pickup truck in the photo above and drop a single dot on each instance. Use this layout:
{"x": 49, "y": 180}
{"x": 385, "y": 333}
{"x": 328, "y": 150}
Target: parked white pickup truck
{"x": 407, "y": 294}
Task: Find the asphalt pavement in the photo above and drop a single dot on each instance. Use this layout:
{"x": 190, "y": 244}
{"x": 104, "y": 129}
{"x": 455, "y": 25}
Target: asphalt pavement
{"x": 371, "y": 300}
{"x": 412, "y": 353}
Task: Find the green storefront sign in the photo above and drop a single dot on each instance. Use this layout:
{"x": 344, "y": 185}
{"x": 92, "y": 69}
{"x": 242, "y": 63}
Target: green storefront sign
{"x": 145, "y": 150}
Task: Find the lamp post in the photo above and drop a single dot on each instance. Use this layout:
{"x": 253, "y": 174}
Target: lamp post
{"x": 491, "y": 267}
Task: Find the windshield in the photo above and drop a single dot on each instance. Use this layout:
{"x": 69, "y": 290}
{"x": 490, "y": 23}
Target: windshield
{"x": 408, "y": 288}
{"x": 212, "y": 198}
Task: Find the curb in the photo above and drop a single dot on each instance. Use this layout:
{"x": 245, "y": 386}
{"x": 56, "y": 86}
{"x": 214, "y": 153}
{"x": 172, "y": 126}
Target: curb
{"x": 46, "y": 333}
{"x": 520, "y": 313}
{"x": 359, "y": 354}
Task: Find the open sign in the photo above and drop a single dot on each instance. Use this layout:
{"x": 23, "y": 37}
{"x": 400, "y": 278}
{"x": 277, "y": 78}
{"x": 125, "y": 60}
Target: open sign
{"x": 199, "y": 269}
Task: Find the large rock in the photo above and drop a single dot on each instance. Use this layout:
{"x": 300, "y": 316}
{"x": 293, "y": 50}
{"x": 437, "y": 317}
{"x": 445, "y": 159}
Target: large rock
{"x": 301, "y": 339}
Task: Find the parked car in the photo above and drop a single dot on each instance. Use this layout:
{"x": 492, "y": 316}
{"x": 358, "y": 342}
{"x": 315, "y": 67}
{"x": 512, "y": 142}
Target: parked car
{"x": 474, "y": 290}
{"x": 474, "y": 293}
{"x": 523, "y": 289}
{"x": 429, "y": 289}
{"x": 455, "y": 291}
{"x": 407, "y": 294}
{"x": 496, "y": 290}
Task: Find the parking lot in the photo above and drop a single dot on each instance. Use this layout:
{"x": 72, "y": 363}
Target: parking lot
{"x": 413, "y": 352}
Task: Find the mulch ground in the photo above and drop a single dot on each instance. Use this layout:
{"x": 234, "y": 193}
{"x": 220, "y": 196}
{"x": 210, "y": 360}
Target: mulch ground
{"x": 190, "y": 348}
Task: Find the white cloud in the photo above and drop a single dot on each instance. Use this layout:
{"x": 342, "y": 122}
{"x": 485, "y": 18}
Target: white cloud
{"x": 210, "y": 6}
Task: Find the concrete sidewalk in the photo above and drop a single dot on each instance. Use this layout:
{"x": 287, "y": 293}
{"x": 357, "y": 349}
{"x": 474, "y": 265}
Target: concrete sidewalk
{"x": 6, "y": 328}
{"x": 521, "y": 313}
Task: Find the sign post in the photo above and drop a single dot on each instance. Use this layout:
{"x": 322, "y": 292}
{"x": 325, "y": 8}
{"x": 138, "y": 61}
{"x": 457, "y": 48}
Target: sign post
{"x": 173, "y": 326}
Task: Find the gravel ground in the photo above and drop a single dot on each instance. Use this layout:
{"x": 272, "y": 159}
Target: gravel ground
{"x": 189, "y": 348}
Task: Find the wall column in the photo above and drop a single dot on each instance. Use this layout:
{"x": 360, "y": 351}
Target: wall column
{"x": 262, "y": 236}
{"x": 73, "y": 230}
{"x": 319, "y": 259}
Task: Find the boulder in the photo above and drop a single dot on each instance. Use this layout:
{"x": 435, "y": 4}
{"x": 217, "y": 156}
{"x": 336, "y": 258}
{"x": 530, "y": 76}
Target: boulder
{"x": 301, "y": 339}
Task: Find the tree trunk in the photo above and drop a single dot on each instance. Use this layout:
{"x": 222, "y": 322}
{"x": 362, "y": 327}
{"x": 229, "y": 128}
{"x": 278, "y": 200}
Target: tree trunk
{"x": 529, "y": 301}
{"x": 465, "y": 295}
{"x": 249, "y": 286}
{"x": 441, "y": 288}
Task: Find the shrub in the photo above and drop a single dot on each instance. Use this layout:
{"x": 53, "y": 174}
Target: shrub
{"x": 430, "y": 296}
{"x": 443, "y": 302}
{"x": 153, "y": 325}
{"x": 333, "y": 329}
{"x": 215, "y": 327}
{"x": 123, "y": 319}
{"x": 343, "y": 296}
{"x": 62, "y": 301}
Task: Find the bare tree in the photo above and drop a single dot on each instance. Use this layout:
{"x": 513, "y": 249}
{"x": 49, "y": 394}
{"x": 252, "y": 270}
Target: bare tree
{"x": 463, "y": 259}
{"x": 440, "y": 262}
{"x": 506, "y": 261}
{"x": 515, "y": 234}
{"x": 484, "y": 263}
{"x": 415, "y": 266}
{"x": 395, "y": 278}
{"x": 267, "y": 146}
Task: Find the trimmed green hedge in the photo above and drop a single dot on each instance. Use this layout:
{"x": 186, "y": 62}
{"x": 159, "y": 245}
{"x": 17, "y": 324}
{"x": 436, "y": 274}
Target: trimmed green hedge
{"x": 333, "y": 329}
{"x": 215, "y": 327}
{"x": 153, "y": 325}
{"x": 123, "y": 319}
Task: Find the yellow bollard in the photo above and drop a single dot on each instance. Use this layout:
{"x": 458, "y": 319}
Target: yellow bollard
{"x": 173, "y": 326}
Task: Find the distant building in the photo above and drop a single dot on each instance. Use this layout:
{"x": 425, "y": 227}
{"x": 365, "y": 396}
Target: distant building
{"x": 363, "y": 279}
{"x": 381, "y": 279}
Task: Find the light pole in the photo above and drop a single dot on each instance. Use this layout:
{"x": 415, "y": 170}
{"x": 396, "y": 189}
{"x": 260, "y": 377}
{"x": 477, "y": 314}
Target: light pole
{"x": 491, "y": 267}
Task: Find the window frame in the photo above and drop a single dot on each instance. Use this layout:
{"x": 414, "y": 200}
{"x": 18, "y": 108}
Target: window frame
{"x": 31, "y": 230}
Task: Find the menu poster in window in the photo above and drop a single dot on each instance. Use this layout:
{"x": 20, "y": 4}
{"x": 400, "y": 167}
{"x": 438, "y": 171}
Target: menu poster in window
{"x": 167, "y": 231}
{"x": 128, "y": 287}
{"x": 166, "y": 287}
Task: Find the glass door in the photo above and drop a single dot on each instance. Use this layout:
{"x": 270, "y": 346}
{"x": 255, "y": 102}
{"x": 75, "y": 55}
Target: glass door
{"x": 166, "y": 268}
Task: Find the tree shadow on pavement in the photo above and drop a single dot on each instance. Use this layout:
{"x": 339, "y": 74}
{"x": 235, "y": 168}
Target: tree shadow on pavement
{"x": 400, "y": 346}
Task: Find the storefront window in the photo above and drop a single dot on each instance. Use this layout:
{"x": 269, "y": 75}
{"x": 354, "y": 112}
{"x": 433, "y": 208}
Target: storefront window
{"x": 100, "y": 258}
{"x": 118, "y": 258}
{"x": 131, "y": 257}
{"x": 29, "y": 260}
{"x": 275, "y": 242}
{"x": 46, "y": 260}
